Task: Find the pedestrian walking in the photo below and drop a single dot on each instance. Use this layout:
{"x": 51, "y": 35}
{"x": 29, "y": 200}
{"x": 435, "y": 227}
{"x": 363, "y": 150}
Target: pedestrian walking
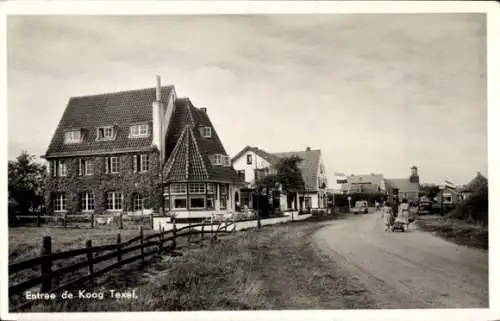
{"x": 388, "y": 216}
{"x": 404, "y": 213}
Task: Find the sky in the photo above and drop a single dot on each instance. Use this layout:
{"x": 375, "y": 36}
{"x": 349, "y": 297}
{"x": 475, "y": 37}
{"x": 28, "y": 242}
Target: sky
{"x": 377, "y": 93}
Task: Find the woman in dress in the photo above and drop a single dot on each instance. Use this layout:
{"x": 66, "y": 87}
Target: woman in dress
{"x": 388, "y": 215}
{"x": 404, "y": 213}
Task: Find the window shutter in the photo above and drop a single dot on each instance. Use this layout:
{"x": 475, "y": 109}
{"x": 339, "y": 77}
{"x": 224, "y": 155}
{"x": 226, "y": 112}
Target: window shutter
{"x": 54, "y": 168}
{"x": 148, "y": 163}
{"x": 80, "y": 170}
{"x": 106, "y": 165}
{"x": 136, "y": 168}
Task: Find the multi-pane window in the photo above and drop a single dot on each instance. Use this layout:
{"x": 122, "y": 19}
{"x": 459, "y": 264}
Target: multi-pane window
{"x": 206, "y": 132}
{"x": 219, "y": 159}
{"x": 62, "y": 169}
{"x": 307, "y": 202}
{"x": 139, "y": 130}
{"x": 85, "y": 167}
{"x": 105, "y": 133}
{"x": 180, "y": 202}
{"x": 197, "y": 202}
{"x": 112, "y": 165}
{"x": 87, "y": 202}
{"x": 210, "y": 196}
{"x": 58, "y": 168}
{"x": 178, "y": 188}
{"x": 197, "y": 188}
{"x": 140, "y": 202}
{"x": 141, "y": 163}
{"x": 114, "y": 201}
{"x": 72, "y": 137}
{"x": 60, "y": 202}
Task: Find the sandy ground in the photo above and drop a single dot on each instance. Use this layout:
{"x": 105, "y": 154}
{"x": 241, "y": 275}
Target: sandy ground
{"x": 414, "y": 269}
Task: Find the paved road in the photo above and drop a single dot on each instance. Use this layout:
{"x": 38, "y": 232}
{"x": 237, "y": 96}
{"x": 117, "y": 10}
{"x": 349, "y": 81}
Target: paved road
{"x": 406, "y": 270}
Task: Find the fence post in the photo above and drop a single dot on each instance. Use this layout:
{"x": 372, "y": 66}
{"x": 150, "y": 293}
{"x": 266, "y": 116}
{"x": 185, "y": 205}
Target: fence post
{"x": 160, "y": 246}
{"x": 119, "y": 247}
{"x": 65, "y": 222}
{"x": 46, "y": 265}
{"x": 90, "y": 258}
{"x": 202, "y": 231}
{"x": 121, "y": 220}
{"x": 92, "y": 220}
{"x": 174, "y": 233}
{"x": 142, "y": 242}
{"x": 189, "y": 233}
{"x": 38, "y": 219}
{"x": 152, "y": 222}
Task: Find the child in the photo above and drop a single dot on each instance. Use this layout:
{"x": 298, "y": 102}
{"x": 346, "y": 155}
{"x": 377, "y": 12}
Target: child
{"x": 404, "y": 213}
{"x": 388, "y": 216}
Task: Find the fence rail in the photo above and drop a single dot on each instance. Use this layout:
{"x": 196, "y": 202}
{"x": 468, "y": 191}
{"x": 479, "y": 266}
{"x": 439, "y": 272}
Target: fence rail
{"x": 148, "y": 246}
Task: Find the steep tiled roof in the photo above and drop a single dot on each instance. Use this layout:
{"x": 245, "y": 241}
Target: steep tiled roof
{"x": 272, "y": 159}
{"x": 120, "y": 109}
{"x": 403, "y": 184}
{"x": 308, "y": 166}
{"x": 374, "y": 180}
{"x": 188, "y": 152}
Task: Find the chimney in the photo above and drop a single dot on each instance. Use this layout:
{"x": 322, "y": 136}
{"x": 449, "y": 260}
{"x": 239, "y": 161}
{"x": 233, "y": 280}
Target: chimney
{"x": 308, "y": 148}
{"x": 203, "y": 109}
{"x": 158, "y": 88}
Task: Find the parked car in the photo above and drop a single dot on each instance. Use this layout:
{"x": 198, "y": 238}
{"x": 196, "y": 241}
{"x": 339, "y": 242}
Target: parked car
{"x": 360, "y": 207}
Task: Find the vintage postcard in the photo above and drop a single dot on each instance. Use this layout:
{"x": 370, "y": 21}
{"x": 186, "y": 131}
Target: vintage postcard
{"x": 271, "y": 160}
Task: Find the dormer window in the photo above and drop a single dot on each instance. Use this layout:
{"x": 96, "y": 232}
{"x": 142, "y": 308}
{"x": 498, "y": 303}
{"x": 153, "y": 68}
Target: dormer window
{"x": 105, "y": 133}
{"x": 206, "y": 132}
{"x": 221, "y": 160}
{"x": 73, "y": 137}
{"x": 140, "y": 130}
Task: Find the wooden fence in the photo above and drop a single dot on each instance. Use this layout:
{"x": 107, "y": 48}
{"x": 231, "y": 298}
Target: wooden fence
{"x": 146, "y": 245}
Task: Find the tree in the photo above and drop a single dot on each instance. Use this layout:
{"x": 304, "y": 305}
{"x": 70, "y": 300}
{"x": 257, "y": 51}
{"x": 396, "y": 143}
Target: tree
{"x": 26, "y": 184}
{"x": 290, "y": 177}
{"x": 429, "y": 190}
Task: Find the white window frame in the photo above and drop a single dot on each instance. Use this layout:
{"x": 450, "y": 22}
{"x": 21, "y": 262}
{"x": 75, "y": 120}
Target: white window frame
{"x": 206, "y": 132}
{"x": 86, "y": 199}
{"x": 108, "y": 133}
{"x": 109, "y": 162}
{"x": 62, "y": 169}
{"x": 60, "y": 203}
{"x": 180, "y": 197}
{"x": 218, "y": 159}
{"x": 139, "y": 199}
{"x": 178, "y": 188}
{"x": 139, "y": 130}
{"x": 88, "y": 167}
{"x": 144, "y": 163}
{"x": 113, "y": 196}
{"x": 73, "y": 137}
{"x": 197, "y": 188}
{"x": 202, "y": 197}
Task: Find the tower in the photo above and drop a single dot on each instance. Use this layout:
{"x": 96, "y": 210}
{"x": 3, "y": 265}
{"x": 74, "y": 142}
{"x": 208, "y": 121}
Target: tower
{"x": 414, "y": 178}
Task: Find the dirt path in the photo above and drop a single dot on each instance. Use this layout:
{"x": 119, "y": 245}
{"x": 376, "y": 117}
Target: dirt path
{"x": 406, "y": 270}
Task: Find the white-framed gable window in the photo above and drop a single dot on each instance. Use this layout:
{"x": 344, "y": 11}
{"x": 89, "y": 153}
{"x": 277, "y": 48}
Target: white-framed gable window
{"x": 139, "y": 130}
{"x": 220, "y": 160}
{"x": 206, "y": 132}
{"x": 73, "y": 137}
{"x": 105, "y": 133}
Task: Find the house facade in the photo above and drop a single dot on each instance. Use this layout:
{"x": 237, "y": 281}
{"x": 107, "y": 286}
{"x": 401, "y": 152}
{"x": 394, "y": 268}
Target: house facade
{"x": 398, "y": 189}
{"x": 253, "y": 163}
{"x": 138, "y": 151}
{"x": 371, "y": 183}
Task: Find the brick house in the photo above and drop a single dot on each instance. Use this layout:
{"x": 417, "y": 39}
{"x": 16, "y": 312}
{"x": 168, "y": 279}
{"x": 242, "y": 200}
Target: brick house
{"x": 141, "y": 150}
{"x": 398, "y": 189}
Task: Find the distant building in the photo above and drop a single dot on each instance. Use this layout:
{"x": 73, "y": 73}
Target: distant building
{"x": 399, "y": 188}
{"x": 372, "y": 183}
{"x": 253, "y": 163}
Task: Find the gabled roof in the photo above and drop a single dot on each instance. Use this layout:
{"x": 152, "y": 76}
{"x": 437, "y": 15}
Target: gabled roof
{"x": 188, "y": 153}
{"x": 403, "y": 184}
{"x": 376, "y": 179}
{"x": 270, "y": 158}
{"x": 119, "y": 109}
{"x": 477, "y": 182}
{"x": 308, "y": 166}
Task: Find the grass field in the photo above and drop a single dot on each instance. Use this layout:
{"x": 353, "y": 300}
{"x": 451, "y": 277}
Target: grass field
{"x": 457, "y": 231}
{"x": 272, "y": 268}
{"x": 25, "y": 243}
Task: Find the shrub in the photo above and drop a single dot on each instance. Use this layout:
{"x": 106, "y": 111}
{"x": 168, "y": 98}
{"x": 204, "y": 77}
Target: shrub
{"x": 474, "y": 208}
